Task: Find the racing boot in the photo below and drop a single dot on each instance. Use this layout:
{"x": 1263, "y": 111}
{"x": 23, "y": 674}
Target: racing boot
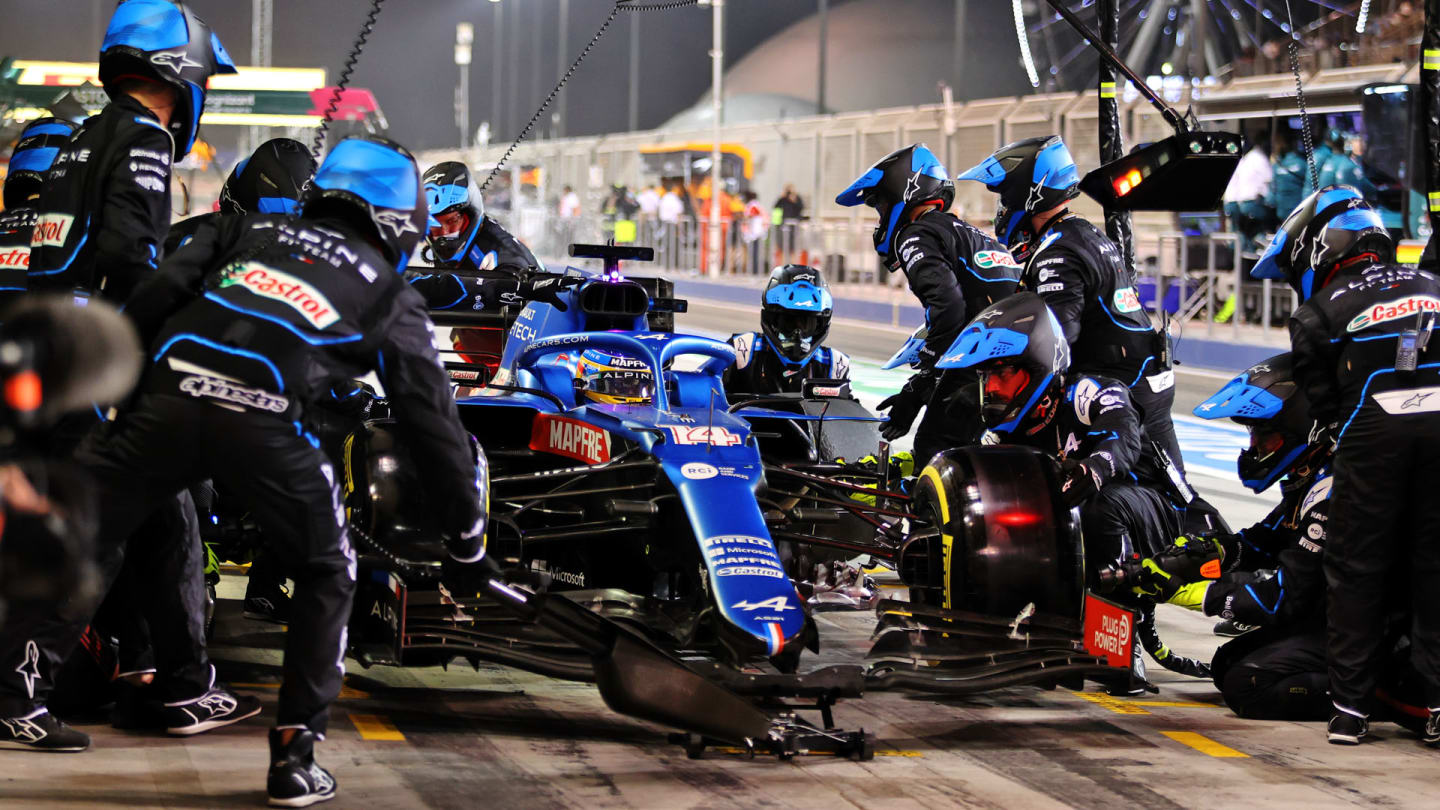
{"x": 217, "y": 707}
{"x": 266, "y": 601}
{"x": 40, "y": 731}
{"x": 1348, "y": 727}
{"x": 1431, "y": 735}
{"x": 1229, "y": 628}
{"x": 295, "y": 779}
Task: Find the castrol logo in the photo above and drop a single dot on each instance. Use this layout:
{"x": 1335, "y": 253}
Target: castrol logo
{"x": 276, "y": 285}
{"x": 1392, "y": 310}
{"x": 51, "y": 230}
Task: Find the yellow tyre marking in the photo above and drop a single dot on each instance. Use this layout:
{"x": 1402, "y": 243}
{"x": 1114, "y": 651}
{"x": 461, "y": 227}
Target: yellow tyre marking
{"x": 947, "y": 543}
{"x": 375, "y": 727}
{"x": 1113, "y": 704}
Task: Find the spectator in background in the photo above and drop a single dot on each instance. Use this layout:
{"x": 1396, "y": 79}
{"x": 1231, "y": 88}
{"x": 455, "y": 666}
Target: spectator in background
{"x": 1344, "y": 168}
{"x": 788, "y": 210}
{"x": 669, "y": 210}
{"x": 1245, "y": 196}
{"x": 649, "y": 201}
{"x": 569, "y": 203}
{"x": 1287, "y": 184}
{"x": 753, "y": 227}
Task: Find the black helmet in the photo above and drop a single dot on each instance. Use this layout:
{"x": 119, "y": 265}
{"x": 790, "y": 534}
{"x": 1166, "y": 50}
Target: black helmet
{"x": 1020, "y": 350}
{"x": 163, "y": 40}
{"x": 456, "y": 210}
{"x": 795, "y": 312}
{"x": 268, "y": 181}
{"x": 1032, "y": 175}
{"x": 895, "y": 186}
{"x": 34, "y": 153}
{"x": 1266, "y": 400}
{"x": 377, "y": 179}
{"x": 1328, "y": 227}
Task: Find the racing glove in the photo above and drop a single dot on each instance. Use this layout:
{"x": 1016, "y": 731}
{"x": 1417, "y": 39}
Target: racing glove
{"x": 1182, "y": 573}
{"x": 1325, "y": 436}
{"x": 905, "y": 404}
{"x": 546, "y": 289}
{"x": 1078, "y": 482}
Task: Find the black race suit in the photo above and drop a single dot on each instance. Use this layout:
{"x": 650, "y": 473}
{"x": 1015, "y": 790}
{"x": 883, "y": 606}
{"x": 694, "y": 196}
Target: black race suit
{"x": 1275, "y": 580}
{"x": 248, "y": 325}
{"x": 106, "y": 205}
{"x": 16, "y": 225}
{"x": 1131, "y": 513}
{"x": 1078, "y": 271}
{"x": 1384, "y": 513}
{"x": 955, "y": 270}
{"x": 759, "y": 370}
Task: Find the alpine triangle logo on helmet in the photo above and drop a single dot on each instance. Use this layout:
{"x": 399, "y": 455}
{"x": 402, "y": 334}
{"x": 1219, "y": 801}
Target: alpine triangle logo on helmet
{"x": 175, "y": 60}
{"x": 398, "y": 223}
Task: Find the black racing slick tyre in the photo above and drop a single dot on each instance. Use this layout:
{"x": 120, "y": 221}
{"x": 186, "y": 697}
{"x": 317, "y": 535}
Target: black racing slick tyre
{"x": 1002, "y": 537}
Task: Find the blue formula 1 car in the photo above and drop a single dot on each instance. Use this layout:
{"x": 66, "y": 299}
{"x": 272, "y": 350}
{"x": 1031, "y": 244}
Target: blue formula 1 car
{"x": 649, "y": 535}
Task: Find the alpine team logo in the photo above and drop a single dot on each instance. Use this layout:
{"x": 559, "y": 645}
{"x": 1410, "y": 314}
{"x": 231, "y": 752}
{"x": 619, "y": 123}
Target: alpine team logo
{"x": 51, "y": 230}
{"x": 279, "y": 286}
{"x": 1393, "y": 310}
{"x": 175, "y": 60}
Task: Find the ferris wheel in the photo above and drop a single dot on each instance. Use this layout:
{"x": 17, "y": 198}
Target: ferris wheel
{"x": 1192, "y": 38}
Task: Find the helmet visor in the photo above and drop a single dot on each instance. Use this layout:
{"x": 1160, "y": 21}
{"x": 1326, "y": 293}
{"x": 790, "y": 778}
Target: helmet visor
{"x": 452, "y": 224}
{"x": 1002, "y": 386}
{"x": 620, "y": 385}
{"x": 796, "y": 332}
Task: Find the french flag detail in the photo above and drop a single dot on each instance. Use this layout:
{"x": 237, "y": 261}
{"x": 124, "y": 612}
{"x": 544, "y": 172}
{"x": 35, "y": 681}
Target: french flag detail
{"x": 774, "y": 637}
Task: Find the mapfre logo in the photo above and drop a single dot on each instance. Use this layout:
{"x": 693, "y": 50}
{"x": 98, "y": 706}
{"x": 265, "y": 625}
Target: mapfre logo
{"x": 571, "y": 438}
{"x": 51, "y": 230}
{"x": 276, "y": 285}
{"x": 1393, "y": 310}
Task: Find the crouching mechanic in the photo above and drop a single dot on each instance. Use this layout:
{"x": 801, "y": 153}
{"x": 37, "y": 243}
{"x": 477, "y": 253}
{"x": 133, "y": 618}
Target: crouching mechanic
{"x": 1273, "y": 580}
{"x": 794, "y": 320}
{"x": 269, "y": 181}
{"x": 955, "y": 271}
{"x": 1088, "y": 423}
{"x": 1365, "y": 358}
{"x": 249, "y": 324}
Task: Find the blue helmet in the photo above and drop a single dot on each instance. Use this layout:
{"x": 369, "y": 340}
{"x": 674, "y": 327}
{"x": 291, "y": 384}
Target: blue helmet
{"x": 457, "y": 211}
{"x": 1020, "y": 339}
{"x": 1328, "y": 227}
{"x": 164, "y": 41}
{"x": 1033, "y": 175}
{"x": 795, "y": 312}
{"x": 39, "y": 143}
{"x": 895, "y": 186}
{"x": 270, "y": 180}
{"x": 374, "y": 181}
{"x": 1266, "y": 400}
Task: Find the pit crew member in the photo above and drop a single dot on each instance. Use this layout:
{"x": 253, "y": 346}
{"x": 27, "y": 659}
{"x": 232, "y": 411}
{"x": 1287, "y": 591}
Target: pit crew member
{"x": 795, "y": 312}
{"x": 269, "y": 181}
{"x": 1361, "y": 343}
{"x": 1078, "y": 271}
{"x": 955, "y": 271}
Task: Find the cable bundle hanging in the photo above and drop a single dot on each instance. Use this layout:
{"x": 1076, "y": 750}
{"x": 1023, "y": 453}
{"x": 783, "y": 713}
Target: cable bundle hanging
{"x": 621, "y": 5}
{"x": 366, "y": 28}
{"x": 1293, "y": 47}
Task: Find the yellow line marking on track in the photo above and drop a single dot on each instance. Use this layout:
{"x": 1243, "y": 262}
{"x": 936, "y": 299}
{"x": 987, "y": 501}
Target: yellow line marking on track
{"x": 375, "y": 727}
{"x": 346, "y": 693}
{"x": 1111, "y": 703}
{"x": 1203, "y": 744}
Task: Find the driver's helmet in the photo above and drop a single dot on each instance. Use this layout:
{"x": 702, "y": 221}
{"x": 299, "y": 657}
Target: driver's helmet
{"x": 1267, "y": 401}
{"x": 795, "y": 313}
{"x": 1021, "y": 354}
{"x": 457, "y": 210}
{"x": 613, "y": 378}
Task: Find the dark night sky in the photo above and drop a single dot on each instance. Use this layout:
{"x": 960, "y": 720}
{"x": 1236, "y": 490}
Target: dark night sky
{"x": 409, "y": 61}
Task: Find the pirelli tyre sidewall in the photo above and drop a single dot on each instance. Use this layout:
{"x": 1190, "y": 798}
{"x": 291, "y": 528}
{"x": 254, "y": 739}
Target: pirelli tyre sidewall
{"x": 1005, "y": 538}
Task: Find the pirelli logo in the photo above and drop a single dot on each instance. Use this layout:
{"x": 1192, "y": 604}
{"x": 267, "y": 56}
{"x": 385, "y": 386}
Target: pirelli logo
{"x": 277, "y": 285}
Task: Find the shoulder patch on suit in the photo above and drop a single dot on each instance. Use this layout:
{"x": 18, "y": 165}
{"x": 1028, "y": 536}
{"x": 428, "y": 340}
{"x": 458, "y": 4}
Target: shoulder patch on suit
{"x": 1083, "y": 395}
{"x": 1319, "y": 493}
{"x": 839, "y": 365}
{"x": 744, "y": 344}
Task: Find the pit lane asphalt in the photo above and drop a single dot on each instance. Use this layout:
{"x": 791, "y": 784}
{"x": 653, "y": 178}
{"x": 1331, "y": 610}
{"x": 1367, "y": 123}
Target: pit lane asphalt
{"x": 500, "y": 738}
